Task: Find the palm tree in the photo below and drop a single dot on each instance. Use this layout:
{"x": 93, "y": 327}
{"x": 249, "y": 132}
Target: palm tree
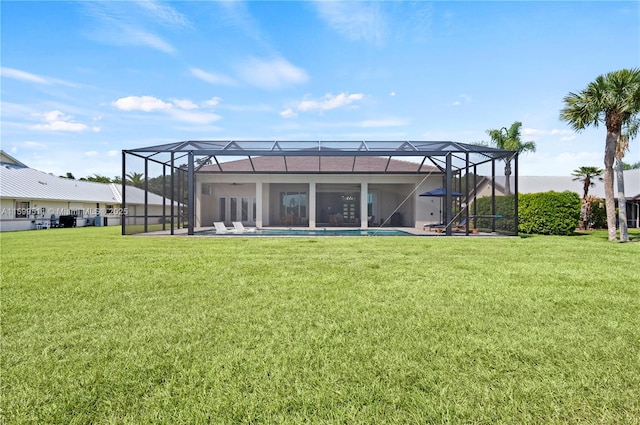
{"x": 136, "y": 179}
{"x": 509, "y": 139}
{"x": 587, "y": 175}
{"x": 612, "y": 99}
{"x": 630, "y": 130}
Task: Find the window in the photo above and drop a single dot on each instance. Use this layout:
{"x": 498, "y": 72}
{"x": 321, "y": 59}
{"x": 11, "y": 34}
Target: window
{"x": 222, "y": 207}
{"x": 245, "y": 209}
{"x": 206, "y": 189}
{"x": 77, "y": 213}
{"x": 234, "y": 209}
{"x": 110, "y": 209}
{"x": 22, "y": 210}
{"x": 293, "y": 203}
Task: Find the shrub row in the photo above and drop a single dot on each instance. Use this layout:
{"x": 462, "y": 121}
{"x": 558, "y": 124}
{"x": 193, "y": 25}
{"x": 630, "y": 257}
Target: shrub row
{"x": 546, "y": 213}
{"x": 504, "y": 209}
{"x": 549, "y": 213}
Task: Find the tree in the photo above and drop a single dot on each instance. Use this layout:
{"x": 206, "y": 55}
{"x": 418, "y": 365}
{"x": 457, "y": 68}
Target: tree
{"x": 612, "y": 99}
{"x": 630, "y": 130}
{"x": 68, "y": 176}
{"x": 135, "y": 179}
{"x": 587, "y": 175}
{"x": 97, "y": 178}
{"x": 634, "y": 166}
{"x": 509, "y": 139}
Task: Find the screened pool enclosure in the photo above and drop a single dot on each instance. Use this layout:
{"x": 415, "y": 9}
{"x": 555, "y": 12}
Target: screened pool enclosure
{"x": 322, "y": 184}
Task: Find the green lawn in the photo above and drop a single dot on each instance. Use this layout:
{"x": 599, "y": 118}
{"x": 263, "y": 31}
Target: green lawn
{"x": 102, "y": 328}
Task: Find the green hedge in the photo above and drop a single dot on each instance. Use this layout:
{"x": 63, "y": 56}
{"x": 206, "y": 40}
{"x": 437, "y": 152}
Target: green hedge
{"x": 549, "y": 213}
{"x": 504, "y": 210}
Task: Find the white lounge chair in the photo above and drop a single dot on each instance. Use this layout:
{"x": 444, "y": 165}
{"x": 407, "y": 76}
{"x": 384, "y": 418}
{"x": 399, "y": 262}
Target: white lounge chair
{"x": 239, "y": 227}
{"x": 221, "y": 228}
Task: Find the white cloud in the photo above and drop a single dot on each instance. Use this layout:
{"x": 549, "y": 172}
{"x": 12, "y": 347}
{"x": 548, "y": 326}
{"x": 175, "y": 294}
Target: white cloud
{"x": 214, "y": 101}
{"x": 211, "y": 78}
{"x": 91, "y": 153}
{"x": 272, "y": 74}
{"x": 131, "y": 23}
{"x": 23, "y": 76}
{"x": 113, "y": 153}
{"x": 184, "y": 104}
{"x": 355, "y": 20}
{"x": 565, "y": 135}
{"x": 57, "y": 121}
{"x": 384, "y": 122}
{"x": 163, "y": 13}
{"x": 141, "y": 37}
{"x": 557, "y": 163}
{"x": 141, "y": 103}
{"x": 179, "y": 109}
{"x": 34, "y": 145}
{"x": 462, "y": 98}
{"x": 17, "y": 74}
{"x": 194, "y": 117}
{"x": 288, "y": 113}
{"x": 392, "y": 94}
{"x": 329, "y": 101}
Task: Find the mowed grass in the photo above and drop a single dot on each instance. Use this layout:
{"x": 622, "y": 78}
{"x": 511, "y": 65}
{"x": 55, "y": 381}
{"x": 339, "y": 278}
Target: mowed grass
{"x": 101, "y": 328}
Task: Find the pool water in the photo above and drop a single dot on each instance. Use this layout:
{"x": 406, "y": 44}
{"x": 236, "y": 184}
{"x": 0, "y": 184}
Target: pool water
{"x": 314, "y": 232}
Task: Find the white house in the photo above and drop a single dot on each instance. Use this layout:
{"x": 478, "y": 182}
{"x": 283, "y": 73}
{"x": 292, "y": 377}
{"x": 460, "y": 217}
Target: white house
{"x": 318, "y": 183}
{"x": 32, "y": 199}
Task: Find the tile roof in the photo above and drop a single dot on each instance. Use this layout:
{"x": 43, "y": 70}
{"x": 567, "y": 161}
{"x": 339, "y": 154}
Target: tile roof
{"x": 319, "y": 164}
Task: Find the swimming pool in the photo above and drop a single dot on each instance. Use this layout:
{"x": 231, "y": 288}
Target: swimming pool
{"x": 313, "y": 232}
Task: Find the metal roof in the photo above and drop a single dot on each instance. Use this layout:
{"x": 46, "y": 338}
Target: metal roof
{"x": 535, "y": 184}
{"x": 27, "y": 183}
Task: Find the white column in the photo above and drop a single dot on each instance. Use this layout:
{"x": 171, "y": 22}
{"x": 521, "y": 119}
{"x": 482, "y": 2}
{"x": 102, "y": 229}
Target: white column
{"x": 258, "y": 204}
{"x": 364, "y": 205}
{"x": 311, "y": 205}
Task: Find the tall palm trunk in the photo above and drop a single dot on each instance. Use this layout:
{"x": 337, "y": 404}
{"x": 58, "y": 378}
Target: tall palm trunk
{"x": 613, "y": 132}
{"x": 507, "y": 177}
{"x": 622, "y": 203}
{"x": 585, "y": 188}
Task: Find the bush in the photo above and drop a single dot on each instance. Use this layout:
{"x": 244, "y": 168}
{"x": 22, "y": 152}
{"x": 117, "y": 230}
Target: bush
{"x": 549, "y": 213}
{"x": 598, "y": 219}
{"x": 504, "y": 208}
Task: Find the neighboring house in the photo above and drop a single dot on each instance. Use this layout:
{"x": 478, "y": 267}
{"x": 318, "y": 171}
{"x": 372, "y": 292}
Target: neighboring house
{"x": 31, "y": 199}
{"x": 536, "y": 184}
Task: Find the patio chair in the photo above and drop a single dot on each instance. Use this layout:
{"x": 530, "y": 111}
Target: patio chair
{"x": 460, "y": 227}
{"x": 239, "y": 227}
{"x": 221, "y": 228}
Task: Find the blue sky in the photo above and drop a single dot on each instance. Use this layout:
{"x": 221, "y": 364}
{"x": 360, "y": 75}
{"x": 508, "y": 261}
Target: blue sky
{"x": 83, "y": 80}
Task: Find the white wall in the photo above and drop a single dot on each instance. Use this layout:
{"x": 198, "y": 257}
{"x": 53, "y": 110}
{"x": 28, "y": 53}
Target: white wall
{"x": 87, "y": 212}
{"x": 393, "y": 188}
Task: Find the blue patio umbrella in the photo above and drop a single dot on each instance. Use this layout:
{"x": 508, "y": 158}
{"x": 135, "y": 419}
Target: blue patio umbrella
{"x": 440, "y": 192}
